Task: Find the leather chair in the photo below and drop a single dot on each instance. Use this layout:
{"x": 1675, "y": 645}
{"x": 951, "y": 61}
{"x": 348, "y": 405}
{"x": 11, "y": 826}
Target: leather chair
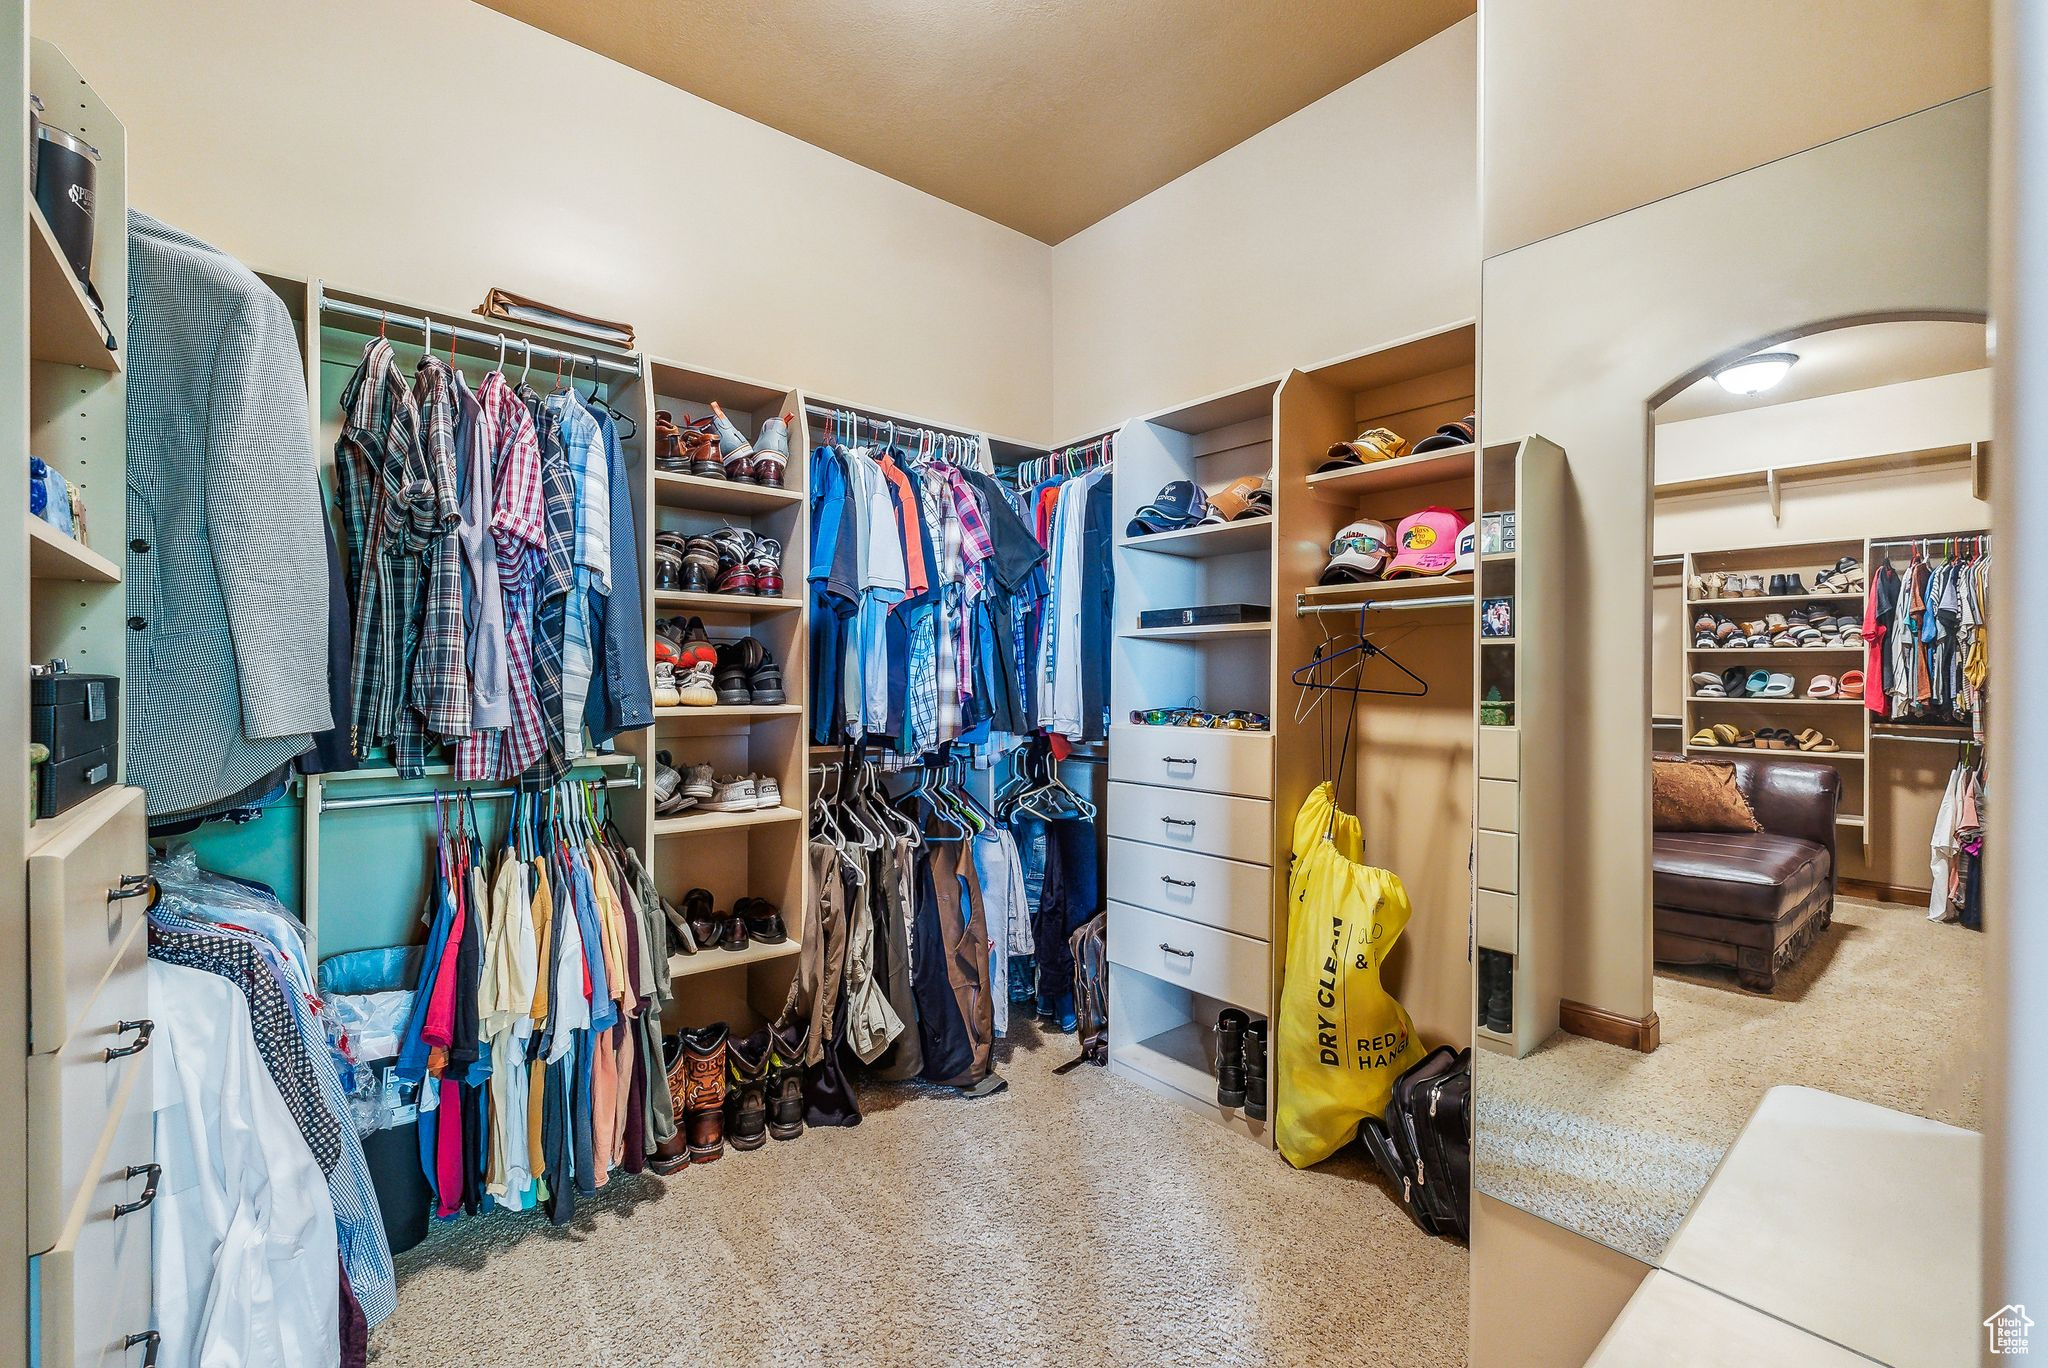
{"x": 1753, "y": 901}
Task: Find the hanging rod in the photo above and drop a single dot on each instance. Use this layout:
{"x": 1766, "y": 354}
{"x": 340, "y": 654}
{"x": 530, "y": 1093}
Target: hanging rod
{"x": 1303, "y": 608}
{"x": 1913, "y": 739}
{"x": 512, "y": 342}
{"x": 421, "y": 799}
{"x": 1932, "y": 537}
{"x": 829, "y": 414}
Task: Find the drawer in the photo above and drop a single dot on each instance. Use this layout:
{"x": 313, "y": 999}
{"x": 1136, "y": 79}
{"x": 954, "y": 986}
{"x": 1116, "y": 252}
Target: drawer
{"x": 93, "y": 1288}
{"x": 1198, "y": 958}
{"x": 74, "y": 926}
{"x": 1500, "y": 753}
{"x": 1209, "y": 761}
{"x": 1183, "y": 819}
{"x": 1498, "y": 865}
{"x": 1227, "y": 894}
{"x": 73, "y": 1092}
{"x": 1498, "y": 921}
{"x": 1500, "y": 804}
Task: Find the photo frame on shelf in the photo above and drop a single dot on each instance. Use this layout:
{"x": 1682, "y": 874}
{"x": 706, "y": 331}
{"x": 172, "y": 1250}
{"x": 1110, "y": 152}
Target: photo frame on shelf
{"x": 1497, "y": 617}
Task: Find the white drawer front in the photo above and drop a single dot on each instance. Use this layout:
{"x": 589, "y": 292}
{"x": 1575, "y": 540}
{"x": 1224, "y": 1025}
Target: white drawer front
{"x": 1499, "y": 921}
{"x": 72, "y": 1093}
{"x": 1202, "y": 823}
{"x": 1500, "y": 753}
{"x": 1498, "y": 866}
{"x": 1208, "y": 761}
{"x": 1198, "y": 958}
{"x": 1500, "y": 805}
{"x": 1226, "y": 894}
{"x": 74, "y": 926}
{"x": 94, "y": 1285}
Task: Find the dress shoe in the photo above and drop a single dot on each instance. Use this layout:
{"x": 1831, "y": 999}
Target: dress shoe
{"x": 786, "y": 1080}
{"x": 735, "y": 932}
{"x": 705, "y": 923}
{"x": 763, "y": 920}
{"x": 673, "y": 1154}
{"x": 746, "y": 1091}
{"x": 1230, "y": 1024}
{"x": 704, "y": 1064}
{"x": 1255, "y": 1070}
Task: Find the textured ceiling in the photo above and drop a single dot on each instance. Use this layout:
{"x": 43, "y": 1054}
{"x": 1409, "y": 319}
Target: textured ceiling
{"x": 1844, "y": 359}
{"x": 1045, "y": 115}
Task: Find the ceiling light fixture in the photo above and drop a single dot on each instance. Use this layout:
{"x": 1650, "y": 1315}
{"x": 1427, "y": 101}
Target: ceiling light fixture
{"x": 1755, "y": 374}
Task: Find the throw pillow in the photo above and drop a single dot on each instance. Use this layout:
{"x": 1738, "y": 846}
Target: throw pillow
{"x": 1698, "y": 795}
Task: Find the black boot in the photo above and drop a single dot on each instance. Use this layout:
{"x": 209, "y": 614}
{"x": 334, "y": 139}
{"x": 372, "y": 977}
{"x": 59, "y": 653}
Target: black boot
{"x": 1255, "y": 1070}
{"x": 1500, "y": 999}
{"x": 786, "y": 1080}
{"x": 746, "y": 1091}
{"x": 1230, "y": 1024}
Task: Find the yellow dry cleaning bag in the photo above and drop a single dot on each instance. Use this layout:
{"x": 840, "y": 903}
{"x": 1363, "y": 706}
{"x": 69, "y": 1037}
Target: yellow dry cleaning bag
{"x": 1341, "y": 1039}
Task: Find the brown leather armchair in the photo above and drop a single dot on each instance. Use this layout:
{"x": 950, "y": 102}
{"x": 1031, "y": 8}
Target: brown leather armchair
{"x": 1752, "y": 900}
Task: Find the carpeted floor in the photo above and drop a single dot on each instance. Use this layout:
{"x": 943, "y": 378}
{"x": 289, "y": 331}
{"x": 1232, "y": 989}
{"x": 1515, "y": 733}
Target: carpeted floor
{"x": 1618, "y": 1145}
{"x": 1074, "y": 1220}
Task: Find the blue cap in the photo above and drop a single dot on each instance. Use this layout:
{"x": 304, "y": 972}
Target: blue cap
{"x": 1180, "y": 504}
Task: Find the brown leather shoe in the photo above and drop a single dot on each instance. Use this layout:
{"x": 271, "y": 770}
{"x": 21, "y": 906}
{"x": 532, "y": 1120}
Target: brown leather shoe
{"x": 704, "y": 1091}
{"x": 673, "y": 1154}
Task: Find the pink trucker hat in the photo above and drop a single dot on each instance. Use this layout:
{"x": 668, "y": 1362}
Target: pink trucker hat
{"x": 1426, "y": 543}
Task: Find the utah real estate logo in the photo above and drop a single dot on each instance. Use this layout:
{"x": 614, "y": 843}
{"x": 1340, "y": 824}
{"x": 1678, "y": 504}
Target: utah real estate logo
{"x": 2006, "y": 1329}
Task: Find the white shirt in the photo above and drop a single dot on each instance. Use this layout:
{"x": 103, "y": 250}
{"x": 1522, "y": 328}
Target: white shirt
{"x": 247, "y": 1260}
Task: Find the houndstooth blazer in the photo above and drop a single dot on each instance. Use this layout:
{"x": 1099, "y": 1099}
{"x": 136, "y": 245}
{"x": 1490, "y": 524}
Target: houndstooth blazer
{"x": 227, "y": 567}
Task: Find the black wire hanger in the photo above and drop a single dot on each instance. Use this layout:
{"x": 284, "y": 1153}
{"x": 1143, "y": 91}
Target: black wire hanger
{"x": 1304, "y": 677}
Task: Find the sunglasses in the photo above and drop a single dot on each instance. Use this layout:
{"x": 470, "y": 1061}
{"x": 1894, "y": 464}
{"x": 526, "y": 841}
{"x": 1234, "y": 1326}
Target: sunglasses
{"x": 1361, "y": 545}
{"x": 1236, "y": 720}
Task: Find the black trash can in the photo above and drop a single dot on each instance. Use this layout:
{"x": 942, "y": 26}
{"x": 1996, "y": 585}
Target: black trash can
{"x": 67, "y": 168}
{"x": 392, "y": 1144}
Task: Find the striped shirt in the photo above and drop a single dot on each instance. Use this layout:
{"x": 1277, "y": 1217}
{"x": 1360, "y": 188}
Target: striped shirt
{"x": 439, "y": 683}
{"x": 508, "y": 449}
{"x": 556, "y": 583}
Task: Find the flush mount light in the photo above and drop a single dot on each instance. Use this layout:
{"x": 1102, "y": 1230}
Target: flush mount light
{"x": 1755, "y": 374}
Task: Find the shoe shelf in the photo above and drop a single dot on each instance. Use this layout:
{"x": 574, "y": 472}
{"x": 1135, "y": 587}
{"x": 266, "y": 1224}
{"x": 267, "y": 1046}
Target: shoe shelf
{"x": 1858, "y": 649}
{"x": 63, "y": 326}
{"x": 709, "y": 961}
{"x": 1198, "y": 632}
{"x": 1431, "y": 467}
{"x": 1217, "y": 539}
{"x": 1794, "y": 701}
{"x": 690, "y": 822}
{"x": 54, "y": 556}
{"x": 1773, "y": 598}
{"x": 672, "y": 490}
{"x": 726, "y": 711}
{"x": 1181, "y": 1058}
{"x": 724, "y": 603}
{"x": 1763, "y": 754}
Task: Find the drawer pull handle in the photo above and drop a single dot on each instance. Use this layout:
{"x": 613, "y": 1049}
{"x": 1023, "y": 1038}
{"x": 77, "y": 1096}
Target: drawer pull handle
{"x": 132, "y": 886}
{"x": 1184, "y": 954}
{"x": 1187, "y": 822}
{"x": 155, "y": 1172}
{"x": 143, "y": 1029}
{"x": 150, "y": 1338}
{"x": 1188, "y": 760}
{"x": 1177, "y": 883}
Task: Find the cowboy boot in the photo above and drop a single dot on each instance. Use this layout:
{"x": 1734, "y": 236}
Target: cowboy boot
{"x": 673, "y": 1154}
{"x": 704, "y": 1091}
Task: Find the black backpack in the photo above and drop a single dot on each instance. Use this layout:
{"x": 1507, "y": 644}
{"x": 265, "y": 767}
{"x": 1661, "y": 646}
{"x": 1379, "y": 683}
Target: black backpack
{"x": 1090, "y": 943}
{"x": 1424, "y": 1144}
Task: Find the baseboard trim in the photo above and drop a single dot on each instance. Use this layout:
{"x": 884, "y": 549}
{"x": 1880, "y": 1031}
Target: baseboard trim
{"x": 1611, "y": 1028}
{"x": 1879, "y": 892}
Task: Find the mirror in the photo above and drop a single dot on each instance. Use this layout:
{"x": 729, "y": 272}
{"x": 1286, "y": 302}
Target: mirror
{"x": 1769, "y": 1074}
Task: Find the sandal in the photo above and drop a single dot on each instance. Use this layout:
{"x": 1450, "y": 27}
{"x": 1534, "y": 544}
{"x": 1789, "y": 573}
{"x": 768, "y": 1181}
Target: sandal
{"x": 1747, "y": 740}
{"x": 1822, "y": 686}
{"x": 1809, "y": 738}
{"x": 1851, "y": 683}
{"x": 1845, "y": 578}
{"x": 1704, "y": 739}
{"x": 1819, "y": 747}
{"x": 1779, "y": 685}
{"x": 1758, "y": 681}
{"x": 1735, "y": 681}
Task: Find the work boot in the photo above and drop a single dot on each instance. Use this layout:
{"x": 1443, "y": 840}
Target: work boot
{"x": 1230, "y": 1024}
{"x": 746, "y": 1091}
{"x": 673, "y": 1154}
{"x": 704, "y": 1091}
{"x": 1255, "y": 1070}
{"x": 786, "y": 1080}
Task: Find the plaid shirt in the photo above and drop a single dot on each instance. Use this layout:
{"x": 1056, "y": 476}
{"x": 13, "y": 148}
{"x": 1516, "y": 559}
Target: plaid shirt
{"x": 557, "y": 582}
{"x": 590, "y": 478}
{"x": 439, "y": 682}
{"x": 382, "y": 476}
{"x": 508, "y": 449}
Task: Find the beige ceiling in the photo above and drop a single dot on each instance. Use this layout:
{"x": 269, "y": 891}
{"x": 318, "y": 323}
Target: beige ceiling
{"x": 1045, "y": 115}
{"x": 1844, "y": 359}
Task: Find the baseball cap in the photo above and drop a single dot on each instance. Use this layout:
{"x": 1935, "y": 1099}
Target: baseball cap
{"x": 1248, "y": 496}
{"x": 1449, "y": 435}
{"x": 1426, "y": 542}
{"x": 1358, "y": 553}
{"x": 1374, "y": 444}
{"x": 1468, "y": 550}
{"x": 1179, "y": 503}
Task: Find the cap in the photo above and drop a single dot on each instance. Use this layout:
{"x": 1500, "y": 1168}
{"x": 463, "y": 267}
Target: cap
{"x": 1449, "y": 435}
{"x": 1426, "y": 543}
{"x": 1374, "y": 444}
{"x": 1468, "y": 551}
{"x": 1248, "y": 496}
{"x": 1358, "y": 553}
{"x": 1179, "y": 504}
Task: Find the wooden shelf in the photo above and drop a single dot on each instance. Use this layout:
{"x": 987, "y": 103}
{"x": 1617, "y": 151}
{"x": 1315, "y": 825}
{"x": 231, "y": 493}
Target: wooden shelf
{"x": 1794, "y": 699}
{"x": 1432, "y": 467}
{"x": 63, "y": 326}
{"x": 1858, "y": 649}
{"x": 709, "y": 961}
{"x": 691, "y": 822}
{"x": 1178, "y": 1058}
{"x": 54, "y": 556}
{"x": 1776, "y": 598}
{"x": 1197, "y": 633}
{"x": 724, "y": 603}
{"x": 726, "y": 712}
{"x": 1420, "y": 586}
{"x": 719, "y": 496}
{"x": 1691, "y": 749}
{"x": 1217, "y": 539}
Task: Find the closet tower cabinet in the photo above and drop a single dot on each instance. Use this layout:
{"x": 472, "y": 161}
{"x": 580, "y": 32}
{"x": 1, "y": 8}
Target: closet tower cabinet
{"x": 74, "y": 1031}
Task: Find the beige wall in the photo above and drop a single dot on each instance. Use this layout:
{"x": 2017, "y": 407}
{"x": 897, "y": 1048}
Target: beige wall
{"x": 1595, "y": 107}
{"x": 429, "y": 149}
{"x": 1913, "y": 415}
{"x": 1352, "y": 223}
{"x": 1541, "y": 1296}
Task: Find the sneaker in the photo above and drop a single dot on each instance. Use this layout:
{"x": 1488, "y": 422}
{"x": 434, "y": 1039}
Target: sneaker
{"x": 735, "y": 452}
{"x": 771, "y": 451}
{"x": 697, "y": 781}
{"x": 737, "y": 661}
{"x": 767, "y": 793}
{"x": 764, "y": 681}
{"x": 699, "y": 565}
{"x": 666, "y": 694}
{"x": 669, "y": 797}
{"x": 735, "y": 548}
{"x": 734, "y": 793}
{"x": 696, "y": 689}
{"x": 765, "y": 564}
{"x": 694, "y": 643}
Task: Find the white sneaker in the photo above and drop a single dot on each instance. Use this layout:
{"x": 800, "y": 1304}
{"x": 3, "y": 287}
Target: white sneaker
{"x": 666, "y": 694}
{"x": 669, "y": 795}
{"x": 767, "y": 793}
{"x": 696, "y": 688}
{"x": 734, "y": 793}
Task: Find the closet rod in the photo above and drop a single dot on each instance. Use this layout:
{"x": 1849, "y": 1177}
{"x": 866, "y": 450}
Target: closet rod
{"x": 421, "y": 799}
{"x": 1303, "y": 608}
{"x": 514, "y": 344}
{"x": 829, "y": 414}
{"x": 1923, "y": 740}
{"x": 1931, "y": 537}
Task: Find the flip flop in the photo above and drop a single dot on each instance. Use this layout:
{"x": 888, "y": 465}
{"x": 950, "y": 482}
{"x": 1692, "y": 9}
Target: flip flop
{"x": 1710, "y": 691}
{"x": 1735, "y": 681}
{"x": 1747, "y": 740}
{"x": 1779, "y": 685}
{"x": 1703, "y": 678}
{"x": 1758, "y": 681}
{"x": 1705, "y": 739}
{"x": 1724, "y": 733}
{"x": 1852, "y": 636}
{"x": 1822, "y": 686}
{"x": 1809, "y": 738}
{"x": 1851, "y": 683}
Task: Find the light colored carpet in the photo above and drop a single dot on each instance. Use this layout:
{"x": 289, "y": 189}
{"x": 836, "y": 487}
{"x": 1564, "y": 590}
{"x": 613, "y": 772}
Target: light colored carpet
{"x": 1074, "y": 1220}
{"x": 1617, "y": 1145}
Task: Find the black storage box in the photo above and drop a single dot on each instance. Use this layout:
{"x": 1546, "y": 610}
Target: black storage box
{"x": 79, "y": 718}
{"x": 1208, "y": 616}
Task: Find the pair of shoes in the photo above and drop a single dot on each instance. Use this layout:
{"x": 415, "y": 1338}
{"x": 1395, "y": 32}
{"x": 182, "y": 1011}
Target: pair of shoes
{"x": 676, "y": 789}
{"x": 1846, "y": 578}
{"x": 1497, "y": 991}
{"x": 1785, "y": 586}
{"x": 692, "y": 687}
{"x": 683, "y": 642}
{"x": 745, "y": 563}
{"x": 1241, "y": 1062}
{"x": 747, "y": 673}
{"x": 742, "y": 793}
{"x": 685, "y": 563}
{"x": 762, "y": 461}
{"x": 764, "y": 1087}
{"x": 751, "y": 919}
